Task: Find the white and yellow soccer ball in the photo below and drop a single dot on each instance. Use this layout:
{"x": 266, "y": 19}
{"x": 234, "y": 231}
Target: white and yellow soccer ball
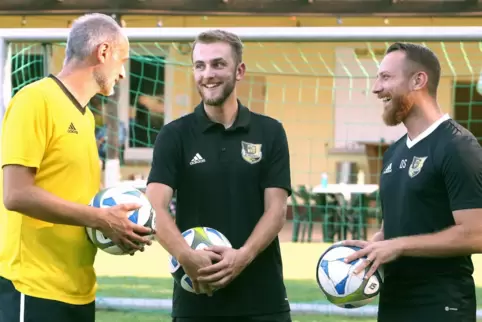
{"x": 340, "y": 286}
{"x": 144, "y": 216}
{"x": 196, "y": 238}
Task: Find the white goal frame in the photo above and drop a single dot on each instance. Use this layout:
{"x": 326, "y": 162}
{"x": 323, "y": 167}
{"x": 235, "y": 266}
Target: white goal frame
{"x": 276, "y": 34}
{"x": 247, "y": 34}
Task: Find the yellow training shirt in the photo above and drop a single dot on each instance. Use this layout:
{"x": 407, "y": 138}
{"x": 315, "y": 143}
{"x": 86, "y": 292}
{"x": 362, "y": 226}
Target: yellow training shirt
{"x": 46, "y": 128}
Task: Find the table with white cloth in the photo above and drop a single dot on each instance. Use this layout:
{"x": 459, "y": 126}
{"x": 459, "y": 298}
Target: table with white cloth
{"x": 346, "y": 211}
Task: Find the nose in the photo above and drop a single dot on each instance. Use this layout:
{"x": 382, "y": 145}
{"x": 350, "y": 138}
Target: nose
{"x": 122, "y": 73}
{"x": 208, "y": 72}
{"x": 377, "y": 88}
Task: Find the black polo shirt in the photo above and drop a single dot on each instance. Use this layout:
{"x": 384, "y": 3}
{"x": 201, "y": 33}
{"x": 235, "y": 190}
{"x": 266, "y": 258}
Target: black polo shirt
{"x": 421, "y": 184}
{"x": 220, "y": 176}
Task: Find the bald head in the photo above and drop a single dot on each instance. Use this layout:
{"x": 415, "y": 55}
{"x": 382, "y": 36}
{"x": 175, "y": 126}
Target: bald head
{"x": 88, "y": 32}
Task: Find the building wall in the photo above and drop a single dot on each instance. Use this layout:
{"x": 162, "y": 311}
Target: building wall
{"x": 294, "y": 83}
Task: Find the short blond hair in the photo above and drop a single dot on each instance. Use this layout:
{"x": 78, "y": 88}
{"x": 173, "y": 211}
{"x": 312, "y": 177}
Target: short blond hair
{"x": 218, "y": 35}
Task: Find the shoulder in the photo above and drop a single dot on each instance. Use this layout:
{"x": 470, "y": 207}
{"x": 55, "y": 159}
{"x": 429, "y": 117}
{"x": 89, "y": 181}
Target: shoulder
{"x": 394, "y": 147}
{"x": 33, "y": 91}
{"x": 91, "y": 117}
{"x": 174, "y": 131}
{"x": 181, "y": 124}
{"x": 264, "y": 119}
{"x": 29, "y": 100}
{"x": 266, "y": 123}
{"x": 456, "y": 148}
{"x": 453, "y": 138}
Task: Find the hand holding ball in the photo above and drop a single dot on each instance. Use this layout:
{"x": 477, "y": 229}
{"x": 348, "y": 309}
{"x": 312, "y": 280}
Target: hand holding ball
{"x": 128, "y": 226}
{"x": 197, "y": 238}
{"x": 337, "y": 281}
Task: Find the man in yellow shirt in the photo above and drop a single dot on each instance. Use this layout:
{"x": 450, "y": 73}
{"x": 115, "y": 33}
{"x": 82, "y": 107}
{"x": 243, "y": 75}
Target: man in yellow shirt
{"x": 50, "y": 170}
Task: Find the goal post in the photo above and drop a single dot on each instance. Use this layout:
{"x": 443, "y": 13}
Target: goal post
{"x": 315, "y": 80}
{"x": 330, "y": 56}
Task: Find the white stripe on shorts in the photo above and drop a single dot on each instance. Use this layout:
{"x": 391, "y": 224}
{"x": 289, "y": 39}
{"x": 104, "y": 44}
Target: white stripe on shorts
{"x": 22, "y": 307}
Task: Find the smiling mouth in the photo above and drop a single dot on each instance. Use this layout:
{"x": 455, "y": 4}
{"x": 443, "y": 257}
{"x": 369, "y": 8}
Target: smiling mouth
{"x": 211, "y": 85}
{"x": 386, "y": 99}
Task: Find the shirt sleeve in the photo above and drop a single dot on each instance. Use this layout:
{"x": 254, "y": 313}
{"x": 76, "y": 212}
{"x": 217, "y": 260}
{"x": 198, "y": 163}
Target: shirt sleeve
{"x": 25, "y": 129}
{"x": 165, "y": 158}
{"x": 462, "y": 172}
{"x": 276, "y": 172}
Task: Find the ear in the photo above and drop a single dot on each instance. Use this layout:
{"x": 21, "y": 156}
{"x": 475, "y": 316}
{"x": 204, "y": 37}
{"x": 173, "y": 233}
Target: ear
{"x": 102, "y": 52}
{"x": 419, "y": 81}
{"x": 240, "y": 71}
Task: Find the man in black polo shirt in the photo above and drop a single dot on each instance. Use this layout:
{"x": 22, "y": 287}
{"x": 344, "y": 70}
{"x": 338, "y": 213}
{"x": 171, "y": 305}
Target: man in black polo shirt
{"x": 231, "y": 170}
{"x": 431, "y": 194}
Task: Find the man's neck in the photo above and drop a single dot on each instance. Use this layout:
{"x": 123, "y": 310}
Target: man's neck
{"x": 225, "y": 114}
{"x": 79, "y": 82}
{"x": 421, "y": 118}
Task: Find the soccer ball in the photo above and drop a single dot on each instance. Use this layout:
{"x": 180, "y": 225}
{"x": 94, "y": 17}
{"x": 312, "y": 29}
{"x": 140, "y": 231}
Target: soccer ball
{"x": 340, "y": 287}
{"x": 196, "y": 238}
{"x": 109, "y": 197}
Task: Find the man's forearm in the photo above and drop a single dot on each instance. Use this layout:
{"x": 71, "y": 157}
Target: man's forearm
{"x": 264, "y": 232}
{"x": 169, "y": 236}
{"x": 454, "y": 241}
{"x": 40, "y": 204}
{"x": 378, "y": 236}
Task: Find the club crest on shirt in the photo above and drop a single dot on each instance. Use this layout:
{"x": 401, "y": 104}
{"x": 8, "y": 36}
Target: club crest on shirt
{"x": 251, "y": 152}
{"x": 416, "y": 166}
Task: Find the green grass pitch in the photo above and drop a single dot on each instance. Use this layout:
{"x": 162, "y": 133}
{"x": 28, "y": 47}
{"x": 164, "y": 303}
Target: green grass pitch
{"x": 146, "y": 275}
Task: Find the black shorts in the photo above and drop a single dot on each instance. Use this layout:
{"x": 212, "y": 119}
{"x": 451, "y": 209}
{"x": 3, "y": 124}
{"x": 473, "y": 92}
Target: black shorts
{"x": 428, "y": 313}
{"x": 447, "y": 299}
{"x": 277, "y": 317}
{"x": 17, "y": 307}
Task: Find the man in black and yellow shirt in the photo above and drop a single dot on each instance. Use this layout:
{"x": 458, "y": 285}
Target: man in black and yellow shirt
{"x": 50, "y": 171}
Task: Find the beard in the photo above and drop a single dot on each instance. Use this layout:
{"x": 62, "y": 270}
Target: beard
{"x": 397, "y": 111}
{"x": 104, "y": 88}
{"x": 219, "y": 99}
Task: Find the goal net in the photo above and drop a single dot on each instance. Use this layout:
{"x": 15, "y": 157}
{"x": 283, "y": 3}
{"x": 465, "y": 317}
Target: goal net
{"x": 318, "y": 83}
{"x": 320, "y": 90}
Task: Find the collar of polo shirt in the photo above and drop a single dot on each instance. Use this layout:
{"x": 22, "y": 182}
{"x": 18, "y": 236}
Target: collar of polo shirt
{"x": 241, "y": 122}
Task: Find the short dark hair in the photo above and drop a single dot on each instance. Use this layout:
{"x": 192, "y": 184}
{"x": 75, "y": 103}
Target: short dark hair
{"x": 422, "y": 58}
{"x": 218, "y": 35}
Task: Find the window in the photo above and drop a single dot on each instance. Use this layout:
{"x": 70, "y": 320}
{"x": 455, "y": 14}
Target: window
{"x": 146, "y": 99}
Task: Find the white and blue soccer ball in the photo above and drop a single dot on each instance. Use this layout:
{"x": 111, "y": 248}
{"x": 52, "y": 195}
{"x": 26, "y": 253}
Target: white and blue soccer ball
{"x": 340, "y": 286}
{"x": 196, "y": 238}
{"x": 144, "y": 216}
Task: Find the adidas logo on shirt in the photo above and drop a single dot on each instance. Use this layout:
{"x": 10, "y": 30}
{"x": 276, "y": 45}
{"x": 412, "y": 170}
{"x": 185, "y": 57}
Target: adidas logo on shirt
{"x": 197, "y": 159}
{"x": 72, "y": 129}
{"x": 388, "y": 169}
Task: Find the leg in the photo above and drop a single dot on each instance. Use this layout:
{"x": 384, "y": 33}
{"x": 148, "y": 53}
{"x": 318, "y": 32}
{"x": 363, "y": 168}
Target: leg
{"x": 9, "y": 302}
{"x": 448, "y": 299}
{"x": 438, "y": 312}
{"x": 200, "y": 319}
{"x": 83, "y": 313}
{"x": 17, "y": 307}
{"x": 42, "y": 310}
{"x": 277, "y": 317}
